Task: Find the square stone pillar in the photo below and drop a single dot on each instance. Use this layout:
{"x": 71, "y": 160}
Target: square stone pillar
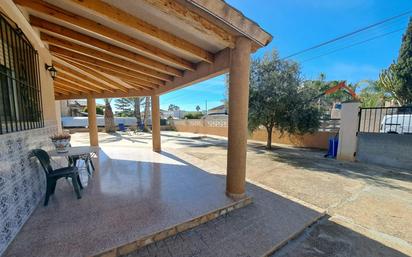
{"x": 238, "y": 117}
{"x": 347, "y": 132}
{"x": 156, "y": 124}
{"x": 93, "y": 132}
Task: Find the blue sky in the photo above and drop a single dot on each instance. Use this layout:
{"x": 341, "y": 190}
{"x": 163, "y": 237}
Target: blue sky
{"x": 298, "y": 24}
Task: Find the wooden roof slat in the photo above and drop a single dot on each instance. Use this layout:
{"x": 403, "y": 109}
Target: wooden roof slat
{"x": 81, "y": 78}
{"x": 116, "y": 74}
{"x": 117, "y": 15}
{"x": 61, "y": 90}
{"x": 113, "y": 49}
{"x": 95, "y": 27}
{"x": 69, "y": 84}
{"x": 97, "y": 74}
{"x": 104, "y": 56}
{"x": 70, "y": 89}
{"x": 194, "y": 19}
{"x": 138, "y": 84}
{"x": 108, "y": 66}
{"x": 131, "y": 93}
{"x": 89, "y": 78}
{"x": 73, "y": 80}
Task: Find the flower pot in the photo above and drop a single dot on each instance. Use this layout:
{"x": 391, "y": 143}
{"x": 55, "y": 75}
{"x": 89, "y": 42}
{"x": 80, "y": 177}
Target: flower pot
{"x": 62, "y": 145}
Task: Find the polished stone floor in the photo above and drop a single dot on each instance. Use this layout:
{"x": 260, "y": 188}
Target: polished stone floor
{"x": 134, "y": 192}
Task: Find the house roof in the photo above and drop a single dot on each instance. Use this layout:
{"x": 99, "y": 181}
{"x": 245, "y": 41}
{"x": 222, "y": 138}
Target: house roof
{"x": 110, "y": 48}
{"x": 220, "y": 107}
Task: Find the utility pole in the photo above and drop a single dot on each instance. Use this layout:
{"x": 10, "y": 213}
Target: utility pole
{"x": 206, "y": 106}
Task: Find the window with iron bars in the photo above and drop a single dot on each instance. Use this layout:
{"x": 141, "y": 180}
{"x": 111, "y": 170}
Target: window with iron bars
{"x": 20, "y": 95}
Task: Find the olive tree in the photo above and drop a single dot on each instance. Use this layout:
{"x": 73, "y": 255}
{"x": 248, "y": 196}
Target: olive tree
{"x": 278, "y": 100}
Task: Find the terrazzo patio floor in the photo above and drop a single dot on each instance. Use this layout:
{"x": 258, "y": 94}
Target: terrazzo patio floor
{"x": 135, "y": 192}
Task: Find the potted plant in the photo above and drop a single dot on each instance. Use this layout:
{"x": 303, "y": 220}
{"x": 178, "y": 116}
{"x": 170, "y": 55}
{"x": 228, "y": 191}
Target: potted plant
{"x": 61, "y": 142}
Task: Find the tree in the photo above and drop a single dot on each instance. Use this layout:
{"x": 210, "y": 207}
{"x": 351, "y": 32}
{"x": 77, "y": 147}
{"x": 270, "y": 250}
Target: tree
{"x": 225, "y": 100}
{"x": 146, "y": 113}
{"x": 109, "y": 124}
{"x": 123, "y": 104}
{"x": 388, "y": 82}
{"x": 397, "y": 79}
{"x": 326, "y": 102}
{"x": 404, "y": 66}
{"x": 99, "y": 110}
{"x": 277, "y": 99}
{"x": 372, "y": 95}
{"x": 126, "y": 105}
{"x": 198, "y": 108}
{"x": 193, "y": 115}
{"x": 173, "y": 107}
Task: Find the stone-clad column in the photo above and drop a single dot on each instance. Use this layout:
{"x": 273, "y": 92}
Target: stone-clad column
{"x": 156, "y": 124}
{"x": 238, "y": 116}
{"x": 91, "y": 109}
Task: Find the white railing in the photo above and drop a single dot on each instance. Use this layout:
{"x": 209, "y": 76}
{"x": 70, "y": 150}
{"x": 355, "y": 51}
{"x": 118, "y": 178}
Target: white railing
{"x": 75, "y": 122}
{"x": 329, "y": 125}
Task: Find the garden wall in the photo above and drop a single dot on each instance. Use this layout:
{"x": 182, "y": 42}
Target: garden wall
{"x": 219, "y": 128}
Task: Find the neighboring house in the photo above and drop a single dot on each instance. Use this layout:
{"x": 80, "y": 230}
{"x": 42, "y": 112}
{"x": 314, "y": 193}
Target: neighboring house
{"x": 177, "y": 114}
{"x": 221, "y": 109}
{"x": 72, "y": 108}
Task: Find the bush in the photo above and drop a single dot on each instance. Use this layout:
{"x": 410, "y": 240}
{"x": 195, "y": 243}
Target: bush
{"x": 193, "y": 115}
{"x": 99, "y": 110}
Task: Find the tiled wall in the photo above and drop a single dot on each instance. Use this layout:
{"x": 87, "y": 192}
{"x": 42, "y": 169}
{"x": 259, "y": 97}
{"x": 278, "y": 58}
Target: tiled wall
{"x": 22, "y": 181}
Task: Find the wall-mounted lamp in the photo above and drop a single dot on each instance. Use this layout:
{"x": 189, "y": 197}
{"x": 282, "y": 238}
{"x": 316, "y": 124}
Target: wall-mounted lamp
{"x": 52, "y": 70}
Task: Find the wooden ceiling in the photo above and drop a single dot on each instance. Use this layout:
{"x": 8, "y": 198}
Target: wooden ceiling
{"x": 96, "y": 59}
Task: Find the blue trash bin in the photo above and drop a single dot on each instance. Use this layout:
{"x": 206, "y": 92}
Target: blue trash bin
{"x": 333, "y": 147}
{"x": 122, "y": 127}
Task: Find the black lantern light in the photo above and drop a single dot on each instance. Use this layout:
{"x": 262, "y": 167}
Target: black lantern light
{"x": 52, "y": 70}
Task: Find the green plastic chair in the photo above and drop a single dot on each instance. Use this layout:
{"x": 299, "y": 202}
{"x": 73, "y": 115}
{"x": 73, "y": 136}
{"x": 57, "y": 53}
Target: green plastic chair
{"x": 53, "y": 175}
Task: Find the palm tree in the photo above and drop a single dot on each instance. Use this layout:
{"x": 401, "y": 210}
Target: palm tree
{"x": 146, "y": 113}
{"x": 109, "y": 124}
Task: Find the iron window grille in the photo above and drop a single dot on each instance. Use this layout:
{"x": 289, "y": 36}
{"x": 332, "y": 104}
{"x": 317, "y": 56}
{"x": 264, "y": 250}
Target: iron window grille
{"x": 20, "y": 93}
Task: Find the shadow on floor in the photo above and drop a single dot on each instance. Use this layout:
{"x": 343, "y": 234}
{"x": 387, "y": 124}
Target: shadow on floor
{"x": 327, "y": 239}
{"x": 249, "y": 231}
{"x": 313, "y": 160}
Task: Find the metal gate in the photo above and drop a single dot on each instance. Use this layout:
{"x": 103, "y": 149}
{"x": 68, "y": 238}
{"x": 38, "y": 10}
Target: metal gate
{"x": 392, "y": 120}
{"x": 385, "y": 136}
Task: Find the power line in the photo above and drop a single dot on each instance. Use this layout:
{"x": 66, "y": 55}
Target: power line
{"x": 348, "y": 34}
{"x": 352, "y": 45}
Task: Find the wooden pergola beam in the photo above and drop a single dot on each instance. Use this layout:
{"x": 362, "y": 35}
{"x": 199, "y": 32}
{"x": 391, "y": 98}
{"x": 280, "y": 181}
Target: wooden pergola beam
{"x": 104, "y": 56}
{"x": 116, "y": 74}
{"x": 77, "y": 83}
{"x": 96, "y": 62}
{"x": 95, "y": 27}
{"x": 116, "y": 94}
{"x": 203, "y": 72}
{"x": 81, "y": 78}
{"x": 93, "y": 73}
{"x": 89, "y": 77}
{"x": 73, "y": 86}
{"x": 110, "y": 12}
{"x": 113, "y": 49}
{"x": 61, "y": 84}
{"x": 197, "y": 21}
{"x": 60, "y": 90}
{"x": 138, "y": 84}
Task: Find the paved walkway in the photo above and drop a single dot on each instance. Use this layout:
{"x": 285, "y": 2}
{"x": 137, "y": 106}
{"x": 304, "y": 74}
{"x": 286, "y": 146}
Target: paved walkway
{"x": 370, "y": 207}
